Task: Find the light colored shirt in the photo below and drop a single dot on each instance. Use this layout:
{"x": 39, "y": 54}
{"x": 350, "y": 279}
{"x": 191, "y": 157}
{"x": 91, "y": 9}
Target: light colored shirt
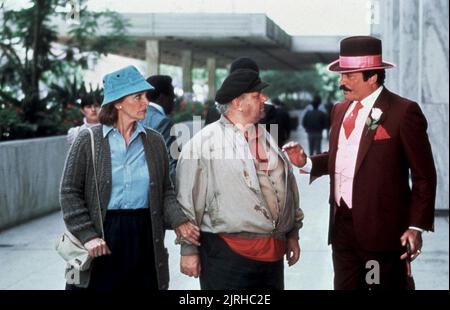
{"x": 272, "y": 183}
{"x": 219, "y": 190}
{"x": 347, "y": 151}
{"x": 73, "y": 132}
{"x": 270, "y": 171}
{"x": 130, "y": 177}
{"x": 271, "y": 176}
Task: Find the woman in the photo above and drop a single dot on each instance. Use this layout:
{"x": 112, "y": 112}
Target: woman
{"x": 89, "y": 108}
{"x": 136, "y": 196}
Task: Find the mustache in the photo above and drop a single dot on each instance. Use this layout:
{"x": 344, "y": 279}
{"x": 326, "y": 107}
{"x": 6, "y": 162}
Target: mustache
{"x": 345, "y": 88}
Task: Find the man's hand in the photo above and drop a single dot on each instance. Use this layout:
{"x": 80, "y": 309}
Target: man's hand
{"x": 97, "y": 247}
{"x": 292, "y": 251}
{"x": 295, "y": 153}
{"x": 413, "y": 239}
{"x": 188, "y": 232}
{"x": 190, "y": 265}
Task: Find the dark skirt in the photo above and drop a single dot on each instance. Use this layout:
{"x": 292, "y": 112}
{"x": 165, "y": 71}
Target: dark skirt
{"x": 128, "y": 234}
{"x": 224, "y": 269}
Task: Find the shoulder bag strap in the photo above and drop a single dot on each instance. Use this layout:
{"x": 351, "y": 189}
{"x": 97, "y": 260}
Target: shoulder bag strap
{"x": 96, "y": 183}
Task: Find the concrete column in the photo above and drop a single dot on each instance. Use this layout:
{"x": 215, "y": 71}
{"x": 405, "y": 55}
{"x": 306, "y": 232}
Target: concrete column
{"x": 186, "y": 65}
{"x": 152, "y": 56}
{"x": 211, "y": 67}
{"x": 228, "y": 67}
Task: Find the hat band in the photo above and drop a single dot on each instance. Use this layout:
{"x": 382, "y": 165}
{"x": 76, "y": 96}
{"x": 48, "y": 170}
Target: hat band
{"x": 360, "y": 61}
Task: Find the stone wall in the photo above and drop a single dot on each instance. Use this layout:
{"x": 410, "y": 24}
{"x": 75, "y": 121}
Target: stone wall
{"x": 31, "y": 170}
{"x": 415, "y": 37}
{"x": 30, "y": 174}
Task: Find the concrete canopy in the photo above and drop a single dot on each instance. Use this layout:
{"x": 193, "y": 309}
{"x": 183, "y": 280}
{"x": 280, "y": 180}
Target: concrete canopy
{"x": 226, "y": 37}
{"x": 213, "y": 41}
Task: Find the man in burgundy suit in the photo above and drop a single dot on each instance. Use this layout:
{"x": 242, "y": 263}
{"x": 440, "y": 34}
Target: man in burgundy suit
{"x": 378, "y": 140}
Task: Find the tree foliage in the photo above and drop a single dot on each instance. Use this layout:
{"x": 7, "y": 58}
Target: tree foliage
{"x": 41, "y": 71}
{"x": 314, "y": 80}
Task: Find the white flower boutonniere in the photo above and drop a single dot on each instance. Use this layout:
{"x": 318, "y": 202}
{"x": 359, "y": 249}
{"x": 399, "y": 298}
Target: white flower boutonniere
{"x": 374, "y": 118}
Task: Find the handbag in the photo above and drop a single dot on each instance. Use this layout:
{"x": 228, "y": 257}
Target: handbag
{"x": 67, "y": 245}
{"x": 73, "y": 252}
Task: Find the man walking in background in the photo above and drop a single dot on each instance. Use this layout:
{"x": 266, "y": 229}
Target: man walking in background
{"x": 161, "y": 105}
{"x": 314, "y": 122}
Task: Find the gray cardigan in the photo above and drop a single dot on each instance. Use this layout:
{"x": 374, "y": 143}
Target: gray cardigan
{"x": 78, "y": 197}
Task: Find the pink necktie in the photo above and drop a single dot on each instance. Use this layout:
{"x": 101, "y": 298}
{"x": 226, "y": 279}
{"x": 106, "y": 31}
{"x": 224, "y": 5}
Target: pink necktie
{"x": 349, "y": 121}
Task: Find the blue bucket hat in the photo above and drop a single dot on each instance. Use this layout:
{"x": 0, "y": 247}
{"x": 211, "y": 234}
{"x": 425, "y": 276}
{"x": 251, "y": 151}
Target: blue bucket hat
{"x": 123, "y": 82}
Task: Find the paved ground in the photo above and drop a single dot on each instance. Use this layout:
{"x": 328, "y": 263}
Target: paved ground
{"x": 28, "y": 259}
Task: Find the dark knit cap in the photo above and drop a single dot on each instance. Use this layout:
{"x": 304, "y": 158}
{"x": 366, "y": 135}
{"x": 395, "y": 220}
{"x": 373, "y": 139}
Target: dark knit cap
{"x": 244, "y": 63}
{"x": 237, "y": 83}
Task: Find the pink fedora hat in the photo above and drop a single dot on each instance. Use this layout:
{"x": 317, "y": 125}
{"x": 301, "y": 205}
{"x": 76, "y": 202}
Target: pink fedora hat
{"x": 359, "y": 53}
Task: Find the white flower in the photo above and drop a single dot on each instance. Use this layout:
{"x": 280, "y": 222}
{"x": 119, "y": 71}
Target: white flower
{"x": 376, "y": 114}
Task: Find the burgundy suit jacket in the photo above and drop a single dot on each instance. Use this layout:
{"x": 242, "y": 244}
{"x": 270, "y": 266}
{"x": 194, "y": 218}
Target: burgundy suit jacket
{"x": 384, "y": 204}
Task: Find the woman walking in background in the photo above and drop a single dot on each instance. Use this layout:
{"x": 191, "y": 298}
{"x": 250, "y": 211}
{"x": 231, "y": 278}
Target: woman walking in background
{"x": 89, "y": 107}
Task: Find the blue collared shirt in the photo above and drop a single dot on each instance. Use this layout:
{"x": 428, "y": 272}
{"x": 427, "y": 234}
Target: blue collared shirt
{"x": 130, "y": 177}
{"x": 157, "y": 107}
